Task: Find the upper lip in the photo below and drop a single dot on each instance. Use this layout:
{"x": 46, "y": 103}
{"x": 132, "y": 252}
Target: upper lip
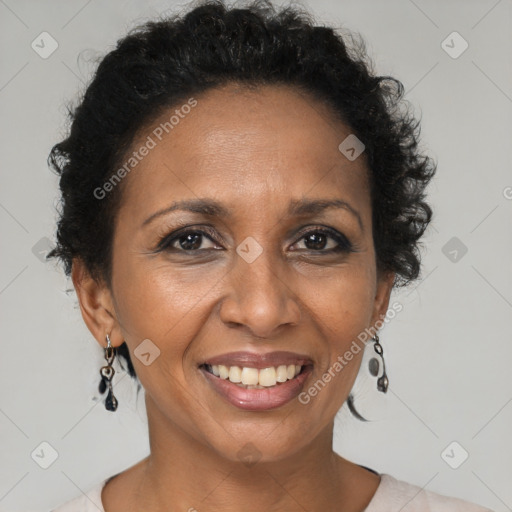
{"x": 255, "y": 360}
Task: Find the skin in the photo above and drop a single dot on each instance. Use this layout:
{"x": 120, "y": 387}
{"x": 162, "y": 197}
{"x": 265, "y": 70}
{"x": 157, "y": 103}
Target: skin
{"x": 254, "y": 151}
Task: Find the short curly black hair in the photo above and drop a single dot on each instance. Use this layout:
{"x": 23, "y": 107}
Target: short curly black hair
{"x": 162, "y": 62}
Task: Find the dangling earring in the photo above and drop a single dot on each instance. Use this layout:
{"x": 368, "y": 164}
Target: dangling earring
{"x": 374, "y": 366}
{"x": 107, "y": 372}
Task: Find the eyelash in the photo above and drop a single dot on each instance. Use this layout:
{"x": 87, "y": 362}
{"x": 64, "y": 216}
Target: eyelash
{"x": 344, "y": 245}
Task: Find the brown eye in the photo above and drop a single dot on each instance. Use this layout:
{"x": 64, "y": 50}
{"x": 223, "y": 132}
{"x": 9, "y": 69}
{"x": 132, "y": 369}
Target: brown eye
{"x": 326, "y": 240}
{"x": 316, "y": 241}
{"x": 190, "y": 240}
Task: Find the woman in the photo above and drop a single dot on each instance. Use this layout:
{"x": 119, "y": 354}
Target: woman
{"x": 240, "y": 194}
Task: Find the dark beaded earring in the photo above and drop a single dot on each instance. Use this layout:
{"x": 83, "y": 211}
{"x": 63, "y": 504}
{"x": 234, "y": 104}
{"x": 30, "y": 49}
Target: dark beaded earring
{"x": 107, "y": 373}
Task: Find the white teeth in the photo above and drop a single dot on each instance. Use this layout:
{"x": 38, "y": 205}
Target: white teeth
{"x": 268, "y": 377}
{"x": 281, "y": 374}
{"x": 252, "y": 377}
{"x": 223, "y": 371}
{"x": 235, "y": 374}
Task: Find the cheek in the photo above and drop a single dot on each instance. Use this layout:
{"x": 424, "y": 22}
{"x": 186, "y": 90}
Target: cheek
{"x": 155, "y": 300}
{"x": 344, "y": 311}
{"x": 345, "y": 304}
{"x": 152, "y": 304}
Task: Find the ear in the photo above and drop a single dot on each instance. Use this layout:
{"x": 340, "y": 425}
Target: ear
{"x": 382, "y": 295}
{"x": 96, "y": 305}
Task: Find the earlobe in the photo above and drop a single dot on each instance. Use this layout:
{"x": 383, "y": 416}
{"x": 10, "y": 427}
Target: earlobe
{"x": 96, "y": 304}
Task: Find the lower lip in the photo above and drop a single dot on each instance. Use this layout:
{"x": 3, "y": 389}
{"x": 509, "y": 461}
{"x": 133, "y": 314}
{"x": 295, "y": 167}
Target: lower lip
{"x": 258, "y": 399}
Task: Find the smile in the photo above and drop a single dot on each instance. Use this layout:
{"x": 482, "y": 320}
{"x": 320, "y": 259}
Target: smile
{"x": 249, "y": 382}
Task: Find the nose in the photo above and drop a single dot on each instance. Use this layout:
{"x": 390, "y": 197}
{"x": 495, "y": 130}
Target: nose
{"x": 259, "y": 299}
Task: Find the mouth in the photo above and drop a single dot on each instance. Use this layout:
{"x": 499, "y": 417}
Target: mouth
{"x": 251, "y": 382}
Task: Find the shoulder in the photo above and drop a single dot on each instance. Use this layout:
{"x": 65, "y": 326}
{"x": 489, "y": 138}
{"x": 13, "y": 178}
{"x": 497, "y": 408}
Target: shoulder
{"x": 89, "y": 502}
{"x": 394, "y": 495}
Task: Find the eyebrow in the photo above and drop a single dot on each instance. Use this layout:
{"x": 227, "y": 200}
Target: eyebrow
{"x": 297, "y": 207}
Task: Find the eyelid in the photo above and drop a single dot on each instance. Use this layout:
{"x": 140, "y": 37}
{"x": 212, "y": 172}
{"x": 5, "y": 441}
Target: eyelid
{"x": 204, "y": 229}
{"x": 344, "y": 243}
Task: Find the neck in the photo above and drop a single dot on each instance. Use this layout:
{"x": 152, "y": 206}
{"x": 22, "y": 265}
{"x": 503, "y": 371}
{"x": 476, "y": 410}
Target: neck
{"x": 183, "y": 474}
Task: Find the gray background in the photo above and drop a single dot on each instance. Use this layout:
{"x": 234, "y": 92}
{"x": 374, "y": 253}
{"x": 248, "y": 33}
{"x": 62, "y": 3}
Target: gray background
{"x": 448, "y": 352}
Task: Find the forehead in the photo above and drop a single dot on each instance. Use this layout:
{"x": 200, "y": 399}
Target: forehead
{"x": 244, "y": 147}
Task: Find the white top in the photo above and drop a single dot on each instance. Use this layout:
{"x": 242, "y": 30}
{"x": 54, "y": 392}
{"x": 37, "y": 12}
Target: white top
{"x": 392, "y": 495}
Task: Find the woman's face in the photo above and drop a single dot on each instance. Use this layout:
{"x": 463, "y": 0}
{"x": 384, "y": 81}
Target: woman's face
{"x": 276, "y": 270}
